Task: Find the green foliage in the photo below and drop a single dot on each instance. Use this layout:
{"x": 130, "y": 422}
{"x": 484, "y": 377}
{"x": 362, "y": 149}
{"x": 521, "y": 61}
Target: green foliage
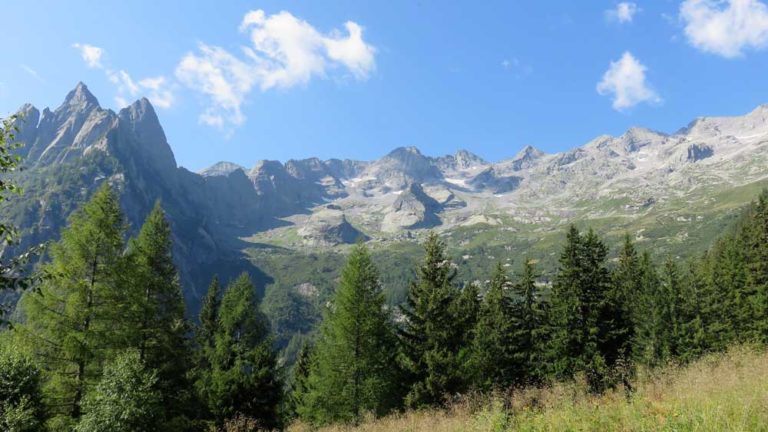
{"x": 430, "y": 342}
{"x": 243, "y": 377}
{"x": 157, "y": 327}
{"x": 587, "y": 330}
{"x": 209, "y": 313}
{"x": 492, "y": 362}
{"x": 71, "y": 318}
{"x": 12, "y": 277}
{"x": 125, "y": 400}
{"x": 529, "y": 328}
{"x": 352, "y": 362}
{"x": 21, "y": 405}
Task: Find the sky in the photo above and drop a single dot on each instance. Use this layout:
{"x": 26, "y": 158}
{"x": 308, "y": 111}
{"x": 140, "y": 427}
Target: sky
{"x": 244, "y": 80}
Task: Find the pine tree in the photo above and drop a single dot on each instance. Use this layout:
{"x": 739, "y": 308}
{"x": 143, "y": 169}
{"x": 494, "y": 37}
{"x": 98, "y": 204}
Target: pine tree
{"x": 753, "y": 307}
{"x": 690, "y": 338}
{"x": 654, "y": 310}
{"x": 352, "y": 370}
{"x": 429, "y": 342}
{"x": 493, "y": 363}
{"x": 585, "y": 333}
{"x": 243, "y": 377}
{"x": 529, "y": 319}
{"x": 71, "y": 318}
{"x": 159, "y": 324}
{"x": 620, "y": 311}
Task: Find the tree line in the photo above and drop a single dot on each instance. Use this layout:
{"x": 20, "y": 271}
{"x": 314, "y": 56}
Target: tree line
{"x": 598, "y": 318}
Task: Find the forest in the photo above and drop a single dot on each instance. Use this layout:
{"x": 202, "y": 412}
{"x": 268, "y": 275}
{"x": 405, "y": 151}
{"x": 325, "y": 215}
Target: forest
{"x": 100, "y": 339}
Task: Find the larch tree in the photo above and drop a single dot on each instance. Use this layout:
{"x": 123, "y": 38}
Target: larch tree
{"x": 70, "y": 319}
{"x": 352, "y": 372}
{"x": 158, "y": 324}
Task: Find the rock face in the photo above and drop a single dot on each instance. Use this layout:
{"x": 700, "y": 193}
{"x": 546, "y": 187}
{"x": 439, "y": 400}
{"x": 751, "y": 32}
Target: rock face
{"x": 413, "y": 209}
{"x": 489, "y": 180}
{"x": 329, "y": 227}
{"x": 74, "y": 148}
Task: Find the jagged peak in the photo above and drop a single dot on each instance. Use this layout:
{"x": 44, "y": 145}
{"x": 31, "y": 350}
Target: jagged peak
{"x": 468, "y": 156}
{"x": 139, "y": 110}
{"x": 80, "y": 96}
{"x": 529, "y": 152}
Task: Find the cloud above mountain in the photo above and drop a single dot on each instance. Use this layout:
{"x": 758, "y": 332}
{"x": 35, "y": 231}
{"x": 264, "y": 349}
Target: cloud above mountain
{"x": 157, "y": 89}
{"x": 626, "y": 83}
{"x": 725, "y": 28}
{"x": 91, "y": 54}
{"x": 284, "y": 51}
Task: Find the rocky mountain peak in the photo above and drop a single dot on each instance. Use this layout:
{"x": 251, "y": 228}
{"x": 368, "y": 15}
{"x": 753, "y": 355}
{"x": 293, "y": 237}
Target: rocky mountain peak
{"x": 526, "y": 157}
{"x": 139, "y": 120}
{"x": 80, "y": 96}
{"x": 466, "y": 159}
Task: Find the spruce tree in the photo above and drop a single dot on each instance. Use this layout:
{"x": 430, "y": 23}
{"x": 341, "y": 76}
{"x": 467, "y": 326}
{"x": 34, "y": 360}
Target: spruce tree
{"x": 159, "y": 324}
{"x": 243, "y": 376}
{"x": 620, "y": 310}
{"x": 529, "y": 331}
{"x": 300, "y": 378}
{"x": 585, "y": 332}
{"x": 352, "y": 370}
{"x": 493, "y": 364}
{"x": 430, "y": 343}
{"x": 654, "y": 310}
{"x": 70, "y": 319}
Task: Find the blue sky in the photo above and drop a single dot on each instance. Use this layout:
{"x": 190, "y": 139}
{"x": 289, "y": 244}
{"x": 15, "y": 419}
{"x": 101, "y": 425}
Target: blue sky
{"x": 249, "y": 80}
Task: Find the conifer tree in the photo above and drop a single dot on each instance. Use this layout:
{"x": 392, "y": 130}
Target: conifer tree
{"x": 70, "y": 319}
{"x": 585, "y": 334}
{"x": 300, "y": 378}
{"x": 654, "y": 310}
{"x": 159, "y": 324}
{"x": 243, "y": 377}
{"x": 209, "y": 313}
{"x": 352, "y": 370}
{"x": 493, "y": 363}
{"x": 529, "y": 331}
{"x": 430, "y": 343}
{"x": 126, "y": 398}
{"x": 690, "y": 338}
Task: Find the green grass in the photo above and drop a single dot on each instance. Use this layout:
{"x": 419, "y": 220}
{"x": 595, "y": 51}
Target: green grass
{"x": 724, "y": 392}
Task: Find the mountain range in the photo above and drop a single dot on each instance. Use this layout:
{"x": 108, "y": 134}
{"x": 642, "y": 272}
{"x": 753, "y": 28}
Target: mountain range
{"x": 671, "y": 191}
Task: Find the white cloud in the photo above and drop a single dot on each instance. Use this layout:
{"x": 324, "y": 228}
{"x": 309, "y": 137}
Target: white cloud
{"x": 624, "y": 12}
{"x": 725, "y": 28}
{"x": 90, "y": 54}
{"x": 625, "y": 81}
{"x": 32, "y": 72}
{"x": 157, "y": 89}
{"x": 284, "y": 51}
